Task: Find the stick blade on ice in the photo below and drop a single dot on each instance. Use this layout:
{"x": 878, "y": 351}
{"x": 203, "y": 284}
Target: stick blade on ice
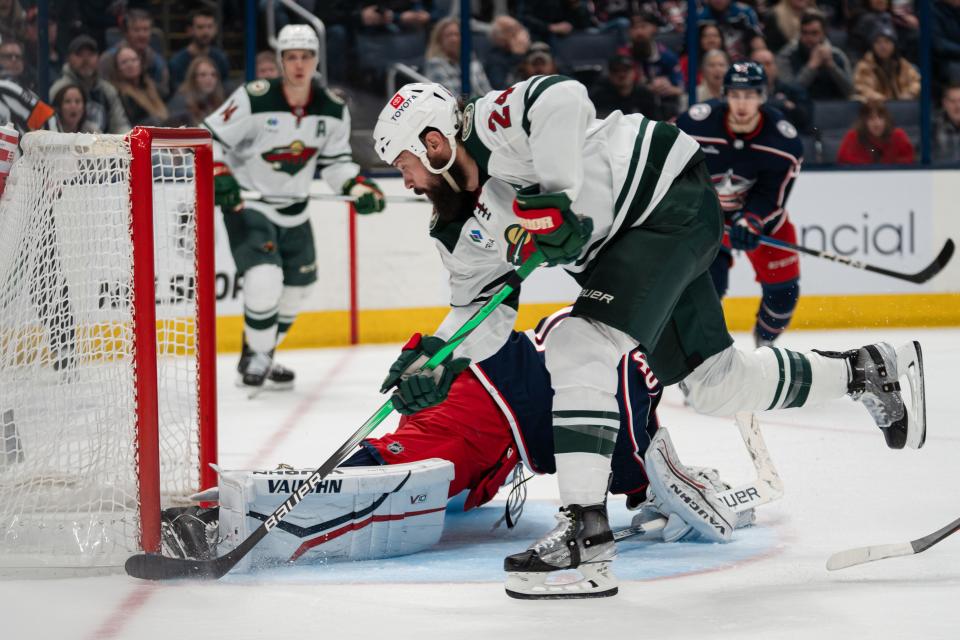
{"x": 861, "y": 555}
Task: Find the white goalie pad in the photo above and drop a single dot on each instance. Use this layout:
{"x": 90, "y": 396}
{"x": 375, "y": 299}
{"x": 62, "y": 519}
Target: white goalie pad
{"x": 688, "y": 500}
{"x": 355, "y": 513}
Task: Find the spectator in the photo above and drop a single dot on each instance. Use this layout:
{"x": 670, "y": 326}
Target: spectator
{"x": 781, "y": 26}
{"x": 620, "y": 90}
{"x": 137, "y": 29}
{"x": 200, "y": 94}
{"x": 657, "y": 66}
{"x": 710, "y": 38}
{"x": 946, "y": 126}
{"x": 946, "y": 39}
{"x": 12, "y": 18}
{"x": 267, "y": 67}
{"x": 442, "y": 63}
{"x": 70, "y": 104}
{"x": 874, "y": 139}
{"x": 715, "y": 65}
{"x": 202, "y": 32}
{"x": 103, "y": 105}
{"x": 12, "y": 64}
{"x": 883, "y": 74}
{"x": 138, "y": 91}
{"x": 31, "y": 47}
{"x": 539, "y": 61}
{"x": 790, "y": 99}
{"x": 509, "y": 43}
{"x": 864, "y": 23}
{"x": 549, "y": 19}
{"x": 814, "y": 64}
{"x": 738, "y": 22}
{"x": 394, "y": 15}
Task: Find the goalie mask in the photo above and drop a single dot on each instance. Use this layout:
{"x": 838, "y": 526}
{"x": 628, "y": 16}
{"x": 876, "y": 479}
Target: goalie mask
{"x": 415, "y": 108}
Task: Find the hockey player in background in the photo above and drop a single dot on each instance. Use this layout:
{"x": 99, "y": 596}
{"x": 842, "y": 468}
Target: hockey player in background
{"x": 509, "y": 174}
{"x": 753, "y": 154}
{"x": 269, "y": 137}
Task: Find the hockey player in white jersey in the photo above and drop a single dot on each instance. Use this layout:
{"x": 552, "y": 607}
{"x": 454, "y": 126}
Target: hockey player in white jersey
{"x": 269, "y": 136}
{"x": 626, "y": 205}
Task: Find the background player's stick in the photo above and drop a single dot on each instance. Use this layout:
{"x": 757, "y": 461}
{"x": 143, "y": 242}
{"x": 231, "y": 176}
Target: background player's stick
{"x": 919, "y": 277}
{"x": 767, "y": 486}
{"x": 158, "y": 567}
{"x": 860, "y": 555}
{"x": 332, "y": 197}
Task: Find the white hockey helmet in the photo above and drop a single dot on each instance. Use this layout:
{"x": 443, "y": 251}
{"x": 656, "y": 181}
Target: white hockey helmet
{"x": 414, "y": 108}
{"x": 297, "y": 36}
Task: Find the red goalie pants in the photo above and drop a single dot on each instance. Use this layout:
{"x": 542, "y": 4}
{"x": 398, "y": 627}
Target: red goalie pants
{"x": 467, "y": 429}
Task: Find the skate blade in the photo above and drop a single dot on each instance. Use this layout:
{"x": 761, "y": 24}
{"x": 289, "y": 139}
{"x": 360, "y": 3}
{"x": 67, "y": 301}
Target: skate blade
{"x": 910, "y": 365}
{"x": 595, "y": 580}
{"x": 267, "y": 385}
{"x": 252, "y": 392}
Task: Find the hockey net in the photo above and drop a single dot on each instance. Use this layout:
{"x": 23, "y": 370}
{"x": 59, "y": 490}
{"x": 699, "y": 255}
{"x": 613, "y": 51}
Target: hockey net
{"x": 107, "y": 352}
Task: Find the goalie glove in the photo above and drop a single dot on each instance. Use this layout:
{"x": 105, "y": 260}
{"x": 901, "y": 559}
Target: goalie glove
{"x": 226, "y": 189}
{"x": 745, "y": 230}
{"x": 368, "y": 198}
{"x": 417, "y": 389}
{"x": 558, "y": 232}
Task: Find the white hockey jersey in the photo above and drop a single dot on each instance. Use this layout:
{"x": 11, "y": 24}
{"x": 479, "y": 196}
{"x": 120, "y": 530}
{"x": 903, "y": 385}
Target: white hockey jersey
{"x": 274, "y": 149}
{"x": 543, "y": 131}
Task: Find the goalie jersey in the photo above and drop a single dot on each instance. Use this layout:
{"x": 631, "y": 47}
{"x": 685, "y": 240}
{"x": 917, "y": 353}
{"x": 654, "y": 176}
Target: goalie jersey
{"x": 754, "y": 172}
{"x": 275, "y": 149}
{"x": 543, "y": 131}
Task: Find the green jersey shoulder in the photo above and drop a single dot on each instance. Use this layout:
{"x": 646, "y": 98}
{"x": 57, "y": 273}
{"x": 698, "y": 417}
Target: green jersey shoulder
{"x": 267, "y": 96}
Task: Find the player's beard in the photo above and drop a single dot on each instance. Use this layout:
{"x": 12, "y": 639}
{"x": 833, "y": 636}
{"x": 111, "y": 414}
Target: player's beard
{"x": 449, "y": 204}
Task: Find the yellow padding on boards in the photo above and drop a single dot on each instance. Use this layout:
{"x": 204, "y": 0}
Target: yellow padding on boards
{"x": 332, "y": 328}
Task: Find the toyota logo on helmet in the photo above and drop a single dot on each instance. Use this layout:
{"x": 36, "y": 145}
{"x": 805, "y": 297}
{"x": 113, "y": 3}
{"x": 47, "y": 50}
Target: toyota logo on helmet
{"x": 413, "y": 109}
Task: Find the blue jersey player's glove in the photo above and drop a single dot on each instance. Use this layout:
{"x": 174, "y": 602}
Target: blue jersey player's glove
{"x": 745, "y": 231}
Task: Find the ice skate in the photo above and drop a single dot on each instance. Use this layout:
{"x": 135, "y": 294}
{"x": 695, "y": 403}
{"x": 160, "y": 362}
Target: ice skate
{"x": 254, "y": 373}
{"x": 876, "y": 370}
{"x": 279, "y": 378}
{"x": 582, "y": 541}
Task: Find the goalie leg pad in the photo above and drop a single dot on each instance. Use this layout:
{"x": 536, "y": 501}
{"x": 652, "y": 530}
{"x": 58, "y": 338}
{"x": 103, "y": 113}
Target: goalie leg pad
{"x": 676, "y": 491}
{"x": 356, "y": 513}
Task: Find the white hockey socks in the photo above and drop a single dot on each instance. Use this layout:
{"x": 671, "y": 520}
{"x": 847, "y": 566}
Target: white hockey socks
{"x": 765, "y": 379}
{"x": 262, "y": 287}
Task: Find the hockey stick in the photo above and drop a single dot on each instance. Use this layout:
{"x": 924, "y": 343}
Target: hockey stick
{"x": 158, "y": 567}
{"x": 767, "y": 487}
{"x": 333, "y": 197}
{"x": 919, "y": 277}
{"x": 860, "y": 555}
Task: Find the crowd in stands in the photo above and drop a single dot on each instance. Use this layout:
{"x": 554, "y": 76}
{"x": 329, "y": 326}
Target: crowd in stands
{"x": 631, "y": 54}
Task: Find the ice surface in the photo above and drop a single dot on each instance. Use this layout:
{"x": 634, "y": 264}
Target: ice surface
{"x": 843, "y": 488}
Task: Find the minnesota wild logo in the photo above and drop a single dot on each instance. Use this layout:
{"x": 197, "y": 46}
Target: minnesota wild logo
{"x": 519, "y": 244}
{"x": 289, "y": 159}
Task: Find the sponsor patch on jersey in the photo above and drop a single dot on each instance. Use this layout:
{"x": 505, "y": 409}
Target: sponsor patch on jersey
{"x": 258, "y": 88}
{"x": 477, "y": 236}
{"x": 787, "y": 129}
{"x": 272, "y": 122}
{"x": 700, "y": 111}
{"x": 395, "y": 448}
{"x": 289, "y": 159}
{"x": 467, "y": 122}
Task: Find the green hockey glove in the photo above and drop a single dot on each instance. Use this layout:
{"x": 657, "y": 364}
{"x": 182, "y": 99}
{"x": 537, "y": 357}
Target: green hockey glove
{"x": 558, "y": 232}
{"x": 416, "y": 389}
{"x": 368, "y": 198}
{"x": 226, "y": 189}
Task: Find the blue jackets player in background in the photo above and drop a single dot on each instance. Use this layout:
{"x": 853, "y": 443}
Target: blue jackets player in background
{"x": 753, "y": 155}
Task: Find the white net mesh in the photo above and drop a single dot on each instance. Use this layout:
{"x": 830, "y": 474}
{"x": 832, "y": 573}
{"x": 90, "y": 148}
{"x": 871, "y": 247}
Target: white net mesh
{"x": 69, "y": 485}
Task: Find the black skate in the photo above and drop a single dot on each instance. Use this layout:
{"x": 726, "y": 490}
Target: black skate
{"x": 279, "y": 378}
{"x": 582, "y": 540}
{"x": 875, "y": 375}
{"x": 254, "y": 372}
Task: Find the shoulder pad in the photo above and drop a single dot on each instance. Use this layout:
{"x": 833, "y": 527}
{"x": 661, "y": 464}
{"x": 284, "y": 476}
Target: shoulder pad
{"x": 257, "y": 88}
{"x": 786, "y": 129}
{"x": 700, "y": 111}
